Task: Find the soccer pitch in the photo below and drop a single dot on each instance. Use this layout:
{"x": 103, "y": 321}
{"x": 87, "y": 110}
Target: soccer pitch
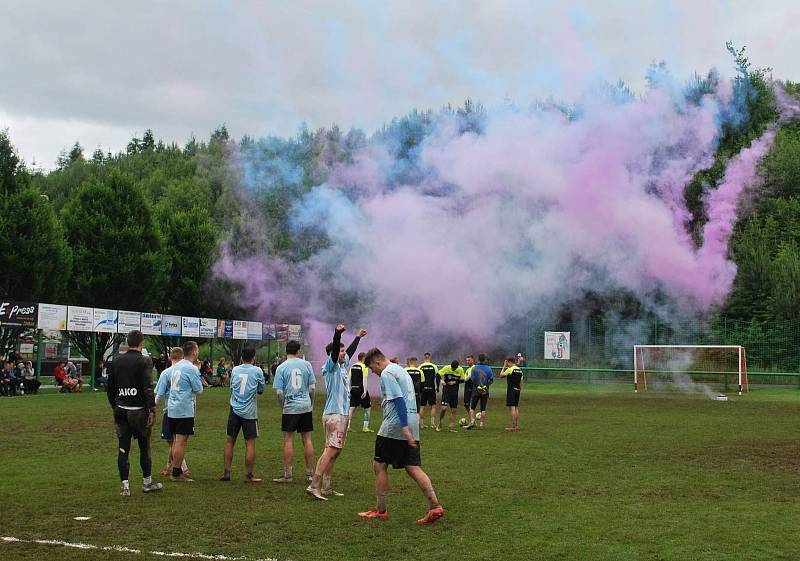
{"x": 597, "y": 473}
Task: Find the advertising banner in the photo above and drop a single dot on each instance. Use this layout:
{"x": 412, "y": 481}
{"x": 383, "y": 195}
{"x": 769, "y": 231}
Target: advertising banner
{"x": 52, "y": 316}
{"x": 208, "y": 328}
{"x": 254, "y": 330}
{"x": 151, "y": 323}
{"x": 190, "y": 327}
{"x": 105, "y": 321}
{"x": 239, "y": 329}
{"x": 282, "y": 331}
{"x": 295, "y": 332}
{"x": 556, "y": 345}
{"x": 80, "y": 318}
{"x": 18, "y": 314}
{"x": 268, "y": 331}
{"x": 171, "y": 325}
{"x": 128, "y": 321}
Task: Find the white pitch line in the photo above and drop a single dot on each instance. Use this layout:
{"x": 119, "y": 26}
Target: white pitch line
{"x": 123, "y": 549}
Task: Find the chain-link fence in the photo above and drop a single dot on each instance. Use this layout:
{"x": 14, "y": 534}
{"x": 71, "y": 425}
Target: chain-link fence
{"x": 603, "y": 349}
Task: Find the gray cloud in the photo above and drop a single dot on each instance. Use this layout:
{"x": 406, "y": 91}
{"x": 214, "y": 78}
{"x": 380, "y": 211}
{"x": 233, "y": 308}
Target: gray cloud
{"x": 103, "y": 71}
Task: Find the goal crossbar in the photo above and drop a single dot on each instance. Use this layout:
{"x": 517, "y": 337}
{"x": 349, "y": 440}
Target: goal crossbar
{"x": 640, "y": 372}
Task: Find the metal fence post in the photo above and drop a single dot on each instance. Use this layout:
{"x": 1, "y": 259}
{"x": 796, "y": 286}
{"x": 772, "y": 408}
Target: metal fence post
{"x": 38, "y": 354}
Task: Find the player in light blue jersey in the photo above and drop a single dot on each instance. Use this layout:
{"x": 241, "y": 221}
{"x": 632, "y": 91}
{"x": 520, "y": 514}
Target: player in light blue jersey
{"x": 337, "y": 407}
{"x": 185, "y": 384}
{"x": 162, "y": 391}
{"x": 397, "y": 442}
{"x": 295, "y": 384}
{"x": 247, "y": 381}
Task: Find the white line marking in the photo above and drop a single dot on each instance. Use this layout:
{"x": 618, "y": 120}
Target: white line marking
{"x": 123, "y": 549}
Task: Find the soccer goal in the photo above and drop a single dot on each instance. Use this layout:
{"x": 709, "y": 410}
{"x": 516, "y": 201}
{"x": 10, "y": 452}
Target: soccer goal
{"x": 685, "y": 365}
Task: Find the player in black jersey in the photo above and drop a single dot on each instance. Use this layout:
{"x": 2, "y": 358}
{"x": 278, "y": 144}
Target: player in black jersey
{"x": 130, "y": 394}
{"x": 429, "y": 387}
{"x": 359, "y": 393}
{"x": 513, "y": 375}
{"x": 416, "y": 377}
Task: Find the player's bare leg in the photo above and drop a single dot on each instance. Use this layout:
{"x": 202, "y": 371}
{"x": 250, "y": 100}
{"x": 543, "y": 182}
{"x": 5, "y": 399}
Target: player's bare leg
{"x": 308, "y": 451}
{"x": 381, "y": 490}
{"x": 250, "y": 460}
{"x": 178, "y": 454}
{"x": 228, "y": 459}
{"x": 435, "y": 510}
{"x": 323, "y": 470}
{"x": 452, "y": 423}
{"x": 350, "y": 418}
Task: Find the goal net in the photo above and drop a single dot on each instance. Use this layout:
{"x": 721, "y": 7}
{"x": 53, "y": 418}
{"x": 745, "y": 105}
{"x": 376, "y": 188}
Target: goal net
{"x": 689, "y": 367}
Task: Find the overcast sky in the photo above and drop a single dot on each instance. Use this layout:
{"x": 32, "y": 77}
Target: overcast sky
{"x": 102, "y": 72}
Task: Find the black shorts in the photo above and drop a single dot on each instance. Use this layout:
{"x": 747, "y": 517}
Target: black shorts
{"x": 396, "y": 452}
{"x": 428, "y": 397}
{"x": 357, "y": 401}
{"x": 479, "y": 398}
{"x": 166, "y": 433}
{"x": 512, "y": 397}
{"x": 131, "y": 422}
{"x": 467, "y": 396}
{"x": 249, "y": 427}
{"x": 297, "y": 422}
{"x": 450, "y": 397}
{"x": 183, "y": 426}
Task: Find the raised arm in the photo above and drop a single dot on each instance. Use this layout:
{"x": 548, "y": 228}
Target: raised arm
{"x": 351, "y": 350}
{"x": 337, "y": 342}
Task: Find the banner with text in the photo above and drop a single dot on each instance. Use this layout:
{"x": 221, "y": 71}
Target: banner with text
{"x": 171, "y": 325}
{"x": 105, "y": 321}
{"x": 151, "y": 323}
{"x": 80, "y": 318}
{"x": 190, "y": 327}
{"x": 52, "y": 316}
{"x": 208, "y": 328}
{"x": 128, "y": 321}
{"x": 17, "y": 314}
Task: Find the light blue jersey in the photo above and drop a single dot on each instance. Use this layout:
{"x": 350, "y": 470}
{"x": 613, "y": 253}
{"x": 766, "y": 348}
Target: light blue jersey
{"x": 162, "y": 387}
{"x": 294, "y": 379}
{"x": 395, "y": 382}
{"x": 337, "y": 384}
{"x": 184, "y": 385}
{"x": 247, "y": 380}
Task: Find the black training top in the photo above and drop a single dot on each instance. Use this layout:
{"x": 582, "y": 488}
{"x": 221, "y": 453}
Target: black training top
{"x": 130, "y": 381}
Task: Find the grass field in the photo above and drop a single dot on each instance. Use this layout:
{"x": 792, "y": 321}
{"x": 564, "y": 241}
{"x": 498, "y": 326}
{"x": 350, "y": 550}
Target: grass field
{"x": 597, "y": 473}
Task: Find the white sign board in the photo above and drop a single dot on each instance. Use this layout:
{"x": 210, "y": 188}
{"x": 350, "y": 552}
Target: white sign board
{"x": 208, "y": 328}
{"x": 254, "y": 330}
{"x": 105, "y": 321}
{"x": 295, "y": 332}
{"x": 129, "y": 321}
{"x": 190, "y": 327}
{"x": 239, "y": 329}
{"x": 556, "y": 345}
{"x": 80, "y": 318}
{"x": 171, "y": 325}
{"x": 52, "y": 316}
{"x": 151, "y": 323}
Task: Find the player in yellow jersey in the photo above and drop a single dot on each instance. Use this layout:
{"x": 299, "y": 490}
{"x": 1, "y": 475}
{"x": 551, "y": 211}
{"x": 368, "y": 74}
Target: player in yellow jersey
{"x": 513, "y": 375}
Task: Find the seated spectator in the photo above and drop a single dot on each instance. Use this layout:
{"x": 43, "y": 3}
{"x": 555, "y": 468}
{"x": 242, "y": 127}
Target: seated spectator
{"x": 8, "y": 379}
{"x": 30, "y": 385}
{"x": 222, "y": 372}
{"x": 74, "y": 374}
{"x": 100, "y": 376}
{"x": 62, "y": 379}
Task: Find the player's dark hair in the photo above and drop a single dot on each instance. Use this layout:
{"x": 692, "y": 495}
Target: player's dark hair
{"x": 189, "y": 348}
{"x": 454, "y": 365}
{"x": 470, "y": 356}
{"x": 510, "y": 359}
{"x": 329, "y": 347}
{"x": 249, "y": 354}
{"x": 481, "y": 357}
{"x": 395, "y": 359}
{"x": 372, "y": 355}
{"x": 427, "y": 354}
{"x": 292, "y": 347}
{"x": 135, "y": 338}
{"x": 361, "y": 356}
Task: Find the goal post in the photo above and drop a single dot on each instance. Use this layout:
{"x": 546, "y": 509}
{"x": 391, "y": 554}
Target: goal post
{"x": 655, "y": 360}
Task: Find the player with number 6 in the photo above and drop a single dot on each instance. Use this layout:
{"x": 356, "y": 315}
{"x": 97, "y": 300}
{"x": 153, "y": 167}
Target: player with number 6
{"x": 295, "y": 384}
